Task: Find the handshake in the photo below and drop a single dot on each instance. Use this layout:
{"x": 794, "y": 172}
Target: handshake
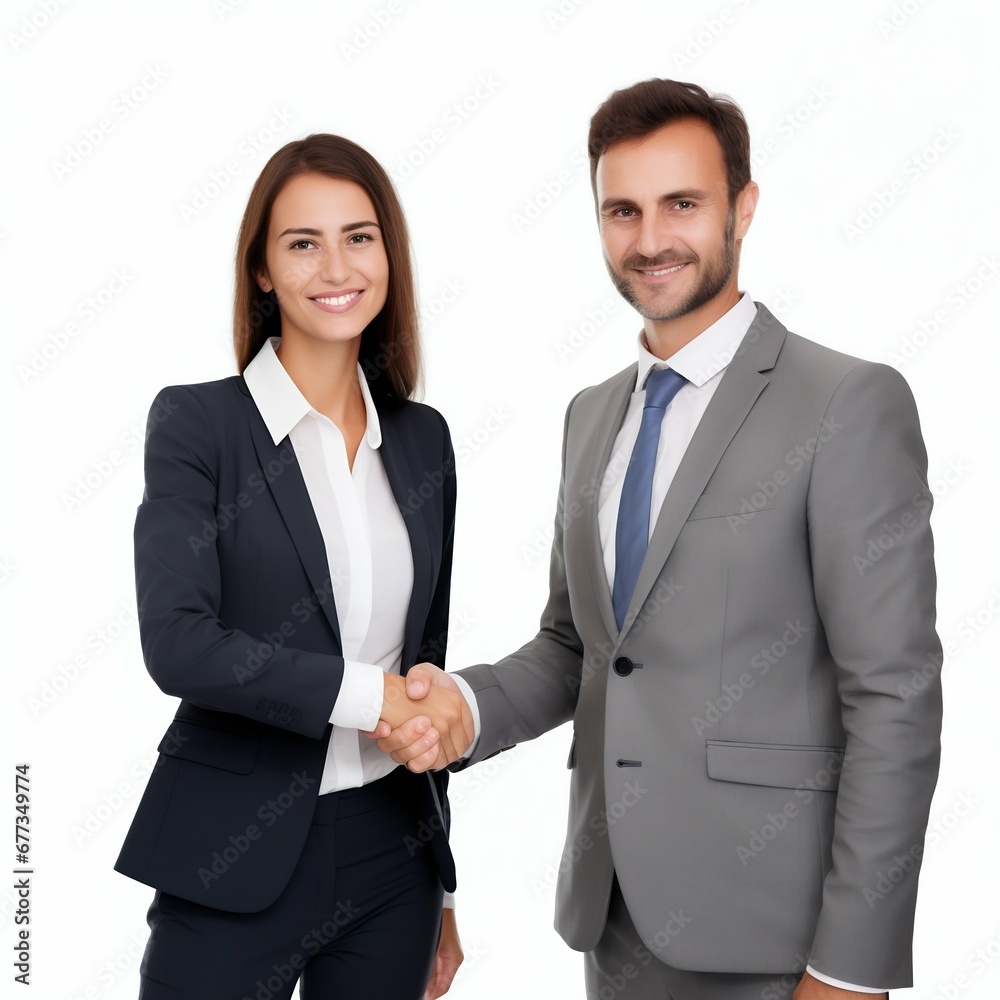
{"x": 425, "y": 722}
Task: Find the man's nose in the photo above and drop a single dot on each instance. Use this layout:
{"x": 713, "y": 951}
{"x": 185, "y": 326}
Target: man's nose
{"x": 656, "y": 234}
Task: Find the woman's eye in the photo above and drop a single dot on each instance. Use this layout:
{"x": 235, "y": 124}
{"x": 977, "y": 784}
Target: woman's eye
{"x": 359, "y": 238}
{"x": 299, "y": 243}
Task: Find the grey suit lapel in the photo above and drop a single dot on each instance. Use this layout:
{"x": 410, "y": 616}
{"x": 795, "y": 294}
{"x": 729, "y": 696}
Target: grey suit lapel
{"x": 741, "y": 385}
{"x": 605, "y": 420}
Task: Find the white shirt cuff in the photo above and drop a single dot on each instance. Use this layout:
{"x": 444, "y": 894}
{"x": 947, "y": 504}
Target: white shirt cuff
{"x": 830, "y": 981}
{"x": 359, "y": 703}
{"x": 470, "y": 697}
{"x": 449, "y": 901}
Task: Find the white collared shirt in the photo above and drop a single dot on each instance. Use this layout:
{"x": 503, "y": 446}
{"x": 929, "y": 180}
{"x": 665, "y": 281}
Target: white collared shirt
{"x": 367, "y": 549}
{"x": 702, "y": 362}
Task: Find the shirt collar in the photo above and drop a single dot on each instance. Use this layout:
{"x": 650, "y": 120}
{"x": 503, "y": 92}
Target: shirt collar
{"x": 282, "y": 404}
{"x": 708, "y": 354}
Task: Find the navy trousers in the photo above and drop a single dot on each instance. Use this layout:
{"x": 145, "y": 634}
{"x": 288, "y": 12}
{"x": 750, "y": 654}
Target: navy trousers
{"x": 360, "y": 916}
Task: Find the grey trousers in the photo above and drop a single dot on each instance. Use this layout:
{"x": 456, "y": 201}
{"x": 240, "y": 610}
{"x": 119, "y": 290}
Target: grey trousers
{"x": 621, "y": 967}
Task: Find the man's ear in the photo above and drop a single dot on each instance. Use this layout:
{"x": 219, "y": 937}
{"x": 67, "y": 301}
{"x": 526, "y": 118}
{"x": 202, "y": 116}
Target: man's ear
{"x": 746, "y": 205}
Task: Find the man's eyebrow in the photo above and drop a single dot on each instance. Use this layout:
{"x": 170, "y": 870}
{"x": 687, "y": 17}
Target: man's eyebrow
{"x": 306, "y": 231}
{"x": 688, "y": 194}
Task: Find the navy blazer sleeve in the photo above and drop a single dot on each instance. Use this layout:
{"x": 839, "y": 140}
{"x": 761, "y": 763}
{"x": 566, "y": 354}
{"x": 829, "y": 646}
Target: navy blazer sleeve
{"x": 188, "y": 650}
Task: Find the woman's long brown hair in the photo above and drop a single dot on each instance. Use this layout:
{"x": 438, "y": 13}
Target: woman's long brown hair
{"x": 390, "y": 344}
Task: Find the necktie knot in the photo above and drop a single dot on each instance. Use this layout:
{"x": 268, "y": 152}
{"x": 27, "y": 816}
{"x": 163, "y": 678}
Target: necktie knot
{"x": 662, "y": 385}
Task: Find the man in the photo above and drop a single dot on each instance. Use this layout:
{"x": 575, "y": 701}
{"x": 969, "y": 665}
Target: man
{"x": 741, "y": 589}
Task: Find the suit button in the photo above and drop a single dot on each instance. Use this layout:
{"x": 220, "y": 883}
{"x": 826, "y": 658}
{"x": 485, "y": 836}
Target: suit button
{"x": 623, "y": 666}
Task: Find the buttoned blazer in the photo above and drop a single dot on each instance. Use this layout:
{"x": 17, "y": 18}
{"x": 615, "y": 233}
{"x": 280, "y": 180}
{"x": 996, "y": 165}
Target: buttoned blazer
{"x": 754, "y": 752}
{"x": 237, "y": 619}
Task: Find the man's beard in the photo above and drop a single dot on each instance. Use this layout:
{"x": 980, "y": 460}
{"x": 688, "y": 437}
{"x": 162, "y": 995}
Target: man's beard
{"x": 713, "y": 279}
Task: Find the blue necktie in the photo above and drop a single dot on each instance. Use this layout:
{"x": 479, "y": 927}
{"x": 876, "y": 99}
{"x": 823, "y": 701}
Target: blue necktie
{"x": 632, "y": 531}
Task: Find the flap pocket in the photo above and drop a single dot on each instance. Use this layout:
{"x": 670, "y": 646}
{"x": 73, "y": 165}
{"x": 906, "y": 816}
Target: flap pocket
{"x": 728, "y": 505}
{"x": 781, "y": 765}
{"x": 209, "y": 745}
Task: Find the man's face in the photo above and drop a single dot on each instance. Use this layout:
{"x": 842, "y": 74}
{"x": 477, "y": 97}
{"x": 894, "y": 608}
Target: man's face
{"x": 667, "y": 230}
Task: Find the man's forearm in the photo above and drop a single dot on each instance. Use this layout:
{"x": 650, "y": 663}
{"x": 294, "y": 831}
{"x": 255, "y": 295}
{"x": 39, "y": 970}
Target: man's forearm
{"x": 523, "y": 695}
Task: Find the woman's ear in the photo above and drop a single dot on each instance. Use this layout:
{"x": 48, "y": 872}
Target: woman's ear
{"x": 263, "y": 280}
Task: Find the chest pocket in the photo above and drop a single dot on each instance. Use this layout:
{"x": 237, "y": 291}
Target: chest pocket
{"x": 742, "y": 505}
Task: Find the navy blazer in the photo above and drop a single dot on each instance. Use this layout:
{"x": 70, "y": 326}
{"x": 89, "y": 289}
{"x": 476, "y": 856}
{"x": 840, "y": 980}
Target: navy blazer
{"x": 237, "y": 619}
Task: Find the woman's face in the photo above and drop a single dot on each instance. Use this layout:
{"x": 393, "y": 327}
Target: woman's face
{"x": 325, "y": 258}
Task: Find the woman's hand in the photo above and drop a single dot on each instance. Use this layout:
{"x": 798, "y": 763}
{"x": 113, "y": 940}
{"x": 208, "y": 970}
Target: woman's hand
{"x": 449, "y": 957}
{"x": 435, "y": 697}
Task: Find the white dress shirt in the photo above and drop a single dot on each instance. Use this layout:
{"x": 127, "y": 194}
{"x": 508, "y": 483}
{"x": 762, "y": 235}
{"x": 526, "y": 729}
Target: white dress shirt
{"x": 702, "y": 362}
{"x": 368, "y": 553}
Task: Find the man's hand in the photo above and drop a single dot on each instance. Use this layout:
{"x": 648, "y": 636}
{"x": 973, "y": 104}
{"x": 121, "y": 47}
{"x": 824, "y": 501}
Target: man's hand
{"x": 811, "y": 988}
{"x": 439, "y": 735}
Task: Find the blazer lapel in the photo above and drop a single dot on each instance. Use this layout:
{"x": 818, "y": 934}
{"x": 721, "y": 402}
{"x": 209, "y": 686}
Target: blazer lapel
{"x": 292, "y": 498}
{"x": 598, "y": 439}
{"x": 741, "y": 385}
{"x": 403, "y": 470}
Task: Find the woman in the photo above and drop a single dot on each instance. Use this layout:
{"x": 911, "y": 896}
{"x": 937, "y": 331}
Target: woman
{"x": 285, "y": 575}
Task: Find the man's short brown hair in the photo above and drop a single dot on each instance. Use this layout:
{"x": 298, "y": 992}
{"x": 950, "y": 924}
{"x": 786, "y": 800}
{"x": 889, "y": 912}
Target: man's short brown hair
{"x": 644, "y": 107}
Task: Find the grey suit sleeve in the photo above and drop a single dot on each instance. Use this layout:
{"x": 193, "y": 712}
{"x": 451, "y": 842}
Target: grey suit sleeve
{"x": 873, "y": 570}
{"x": 535, "y": 688}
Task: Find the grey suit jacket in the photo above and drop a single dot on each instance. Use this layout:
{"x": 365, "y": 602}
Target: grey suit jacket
{"x": 755, "y": 752}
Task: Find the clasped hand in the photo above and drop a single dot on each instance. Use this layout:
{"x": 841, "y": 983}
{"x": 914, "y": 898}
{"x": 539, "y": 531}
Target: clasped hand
{"x": 425, "y": 722}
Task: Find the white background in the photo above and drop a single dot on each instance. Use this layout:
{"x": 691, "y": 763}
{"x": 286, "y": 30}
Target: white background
{"x": 501, "y": 213}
